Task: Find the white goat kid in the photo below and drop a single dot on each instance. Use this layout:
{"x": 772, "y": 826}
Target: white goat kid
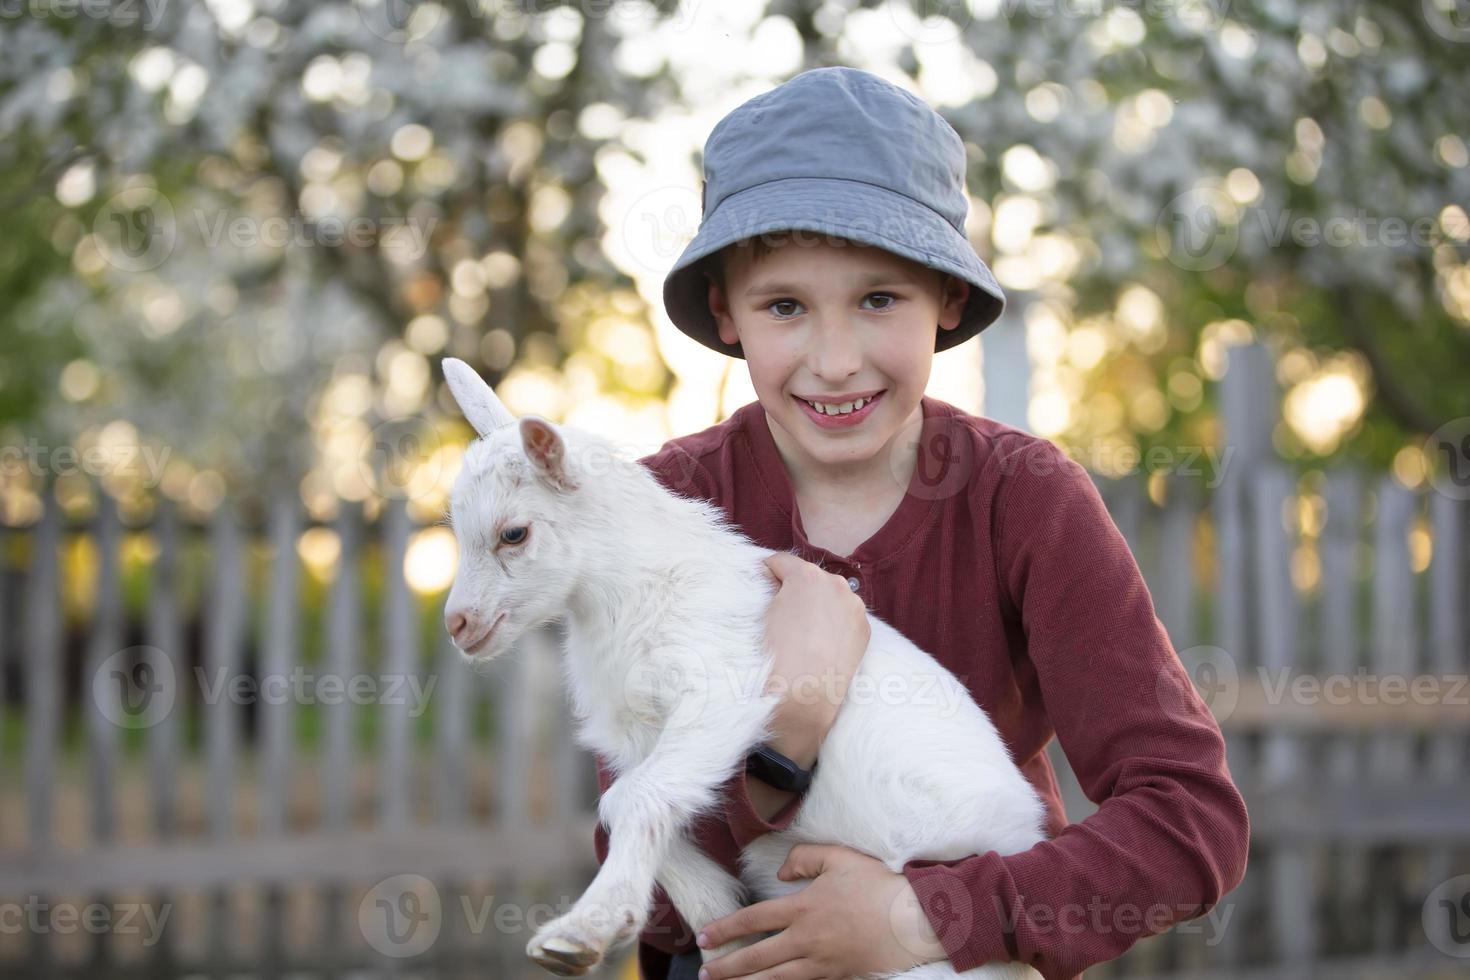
{"x": 664, "y": 602}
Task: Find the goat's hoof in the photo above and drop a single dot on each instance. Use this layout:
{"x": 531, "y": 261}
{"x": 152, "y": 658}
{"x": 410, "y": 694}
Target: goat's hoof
{"x": 563, "y": 956}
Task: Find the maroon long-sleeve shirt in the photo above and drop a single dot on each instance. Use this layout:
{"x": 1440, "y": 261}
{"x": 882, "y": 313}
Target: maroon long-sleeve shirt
{"x": 1002, "y": 562}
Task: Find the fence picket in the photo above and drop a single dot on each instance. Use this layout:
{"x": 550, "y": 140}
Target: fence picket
{"x": 1229, "y": 629}
{"x": 1283, "y": 761}
{"x": 1339, "y": 547}
{"x": 342, "y": 644}
{"x": 1449, "y": 652}
{"x": 224, "y": 618}
{"x": 166, "y": 640}
{"x": 222, "y": 652}
{"x": 1395, "y": 638}
{"x": 1340, "y": 653}
{"x": 451, "y": 733}
{"x": 399, "y": 660}
{"x": 42, "y": 658}
{"x": 105, "y": 639}
{"x": 280, "y": 653}
{"x": 1247, "y": 394}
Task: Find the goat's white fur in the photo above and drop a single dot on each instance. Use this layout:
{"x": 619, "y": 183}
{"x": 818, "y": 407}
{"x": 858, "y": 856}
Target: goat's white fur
{"x": 664, "y": 601}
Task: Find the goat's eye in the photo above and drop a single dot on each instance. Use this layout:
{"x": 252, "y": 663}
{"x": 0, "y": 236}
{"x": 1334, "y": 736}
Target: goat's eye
{"x": 514, "y": 535}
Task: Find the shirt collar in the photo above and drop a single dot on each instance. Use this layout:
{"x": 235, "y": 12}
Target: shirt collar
{"x": 914, "y": 510}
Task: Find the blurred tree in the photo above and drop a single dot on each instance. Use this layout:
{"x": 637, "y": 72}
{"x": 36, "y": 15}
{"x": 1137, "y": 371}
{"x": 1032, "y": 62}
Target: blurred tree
{"x": 224, "y": 207}
{"x": 1173, "y": 177}
{"x": 260, "y": 220}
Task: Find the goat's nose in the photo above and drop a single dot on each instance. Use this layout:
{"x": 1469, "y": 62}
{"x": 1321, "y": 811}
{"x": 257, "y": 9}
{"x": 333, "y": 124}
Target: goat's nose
{"x": 456, "y": 623}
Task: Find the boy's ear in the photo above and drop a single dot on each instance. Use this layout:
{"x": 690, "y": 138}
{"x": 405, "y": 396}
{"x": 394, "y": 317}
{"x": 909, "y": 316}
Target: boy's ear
{"x": 719, "y": 311}
{"x": 954, "y": 293}
{"x": 547, "y": 451}
{"x": 478, "y": 402}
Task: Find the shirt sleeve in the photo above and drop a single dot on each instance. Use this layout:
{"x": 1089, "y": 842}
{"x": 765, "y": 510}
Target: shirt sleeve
{"x": 1171, "y": 833}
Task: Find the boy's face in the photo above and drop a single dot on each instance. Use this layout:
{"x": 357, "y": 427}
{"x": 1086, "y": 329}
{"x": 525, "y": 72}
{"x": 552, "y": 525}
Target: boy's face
{"x": 832, "y": 321}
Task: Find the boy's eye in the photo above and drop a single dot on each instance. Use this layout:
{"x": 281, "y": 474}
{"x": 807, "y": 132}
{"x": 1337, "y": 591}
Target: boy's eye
{"x": 776, "y": 306}
{"x": 514, "y": 535}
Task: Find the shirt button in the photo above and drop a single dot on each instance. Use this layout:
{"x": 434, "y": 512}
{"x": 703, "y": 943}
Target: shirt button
{"x": 853, "y": 583}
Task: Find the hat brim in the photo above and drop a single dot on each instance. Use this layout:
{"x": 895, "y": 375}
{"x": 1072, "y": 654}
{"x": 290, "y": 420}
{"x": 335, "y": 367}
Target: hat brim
{"x": 837, "y": 209}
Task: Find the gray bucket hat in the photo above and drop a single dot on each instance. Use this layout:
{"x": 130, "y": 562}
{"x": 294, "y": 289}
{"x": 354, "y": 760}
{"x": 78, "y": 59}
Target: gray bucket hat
{"x": 840, "y": 152}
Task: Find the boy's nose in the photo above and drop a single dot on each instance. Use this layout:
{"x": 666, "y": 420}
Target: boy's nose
{"x": 836, "y": 354}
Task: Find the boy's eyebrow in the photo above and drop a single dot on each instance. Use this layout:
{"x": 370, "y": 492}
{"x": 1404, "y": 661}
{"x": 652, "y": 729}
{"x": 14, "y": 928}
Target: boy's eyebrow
{"x": 874, "y": 279}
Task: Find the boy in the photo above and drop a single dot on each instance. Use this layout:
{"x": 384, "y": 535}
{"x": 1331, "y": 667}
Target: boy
{"x": 832, "y": 258}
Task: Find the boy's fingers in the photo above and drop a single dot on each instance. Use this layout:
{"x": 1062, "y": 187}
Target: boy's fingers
{"x": 773, "y": 914}
{"x": 782, "y": 564}
{"x": 765, "y": 960}
{"x": 803, "y": 861}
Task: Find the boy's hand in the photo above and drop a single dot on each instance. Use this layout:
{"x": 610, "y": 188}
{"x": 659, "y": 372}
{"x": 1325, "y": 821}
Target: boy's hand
{"x": 855, "y": 918}
{"x": 817, "y": 630}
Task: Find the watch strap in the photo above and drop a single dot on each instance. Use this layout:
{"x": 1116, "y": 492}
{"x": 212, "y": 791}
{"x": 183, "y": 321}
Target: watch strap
{"x": 776, "y": 770}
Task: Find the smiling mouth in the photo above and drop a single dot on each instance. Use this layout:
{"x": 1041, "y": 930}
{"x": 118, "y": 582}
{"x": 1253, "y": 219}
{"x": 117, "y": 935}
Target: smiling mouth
{"x": 835, "y": 409}
{"x": 857, "y": 412}
{"x": 484, "y": 641}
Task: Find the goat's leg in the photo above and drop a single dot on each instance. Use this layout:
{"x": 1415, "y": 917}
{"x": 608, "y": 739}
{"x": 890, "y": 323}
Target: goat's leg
{"x": 702, "y": 891}
{"x": 645, "y": 810}
{"x": 642, "y": 827}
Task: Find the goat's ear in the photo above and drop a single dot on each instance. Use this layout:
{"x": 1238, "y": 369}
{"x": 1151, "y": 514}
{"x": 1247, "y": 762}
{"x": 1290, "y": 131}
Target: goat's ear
{"x": 546, "y": 450}
{"x": 479, "y": 404}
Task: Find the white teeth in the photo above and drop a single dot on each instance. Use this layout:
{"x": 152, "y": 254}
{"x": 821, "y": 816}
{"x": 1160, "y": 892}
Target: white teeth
{"x": 841, "y": 409}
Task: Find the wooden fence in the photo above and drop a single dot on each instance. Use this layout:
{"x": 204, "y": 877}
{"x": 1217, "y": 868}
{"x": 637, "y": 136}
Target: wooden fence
{"x": 270, "y": 836}
{"x": 1345, "y": 708}
{"x": 333, "y": 832}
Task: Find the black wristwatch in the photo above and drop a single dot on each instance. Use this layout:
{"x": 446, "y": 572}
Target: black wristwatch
{"x": 774, "y": 769}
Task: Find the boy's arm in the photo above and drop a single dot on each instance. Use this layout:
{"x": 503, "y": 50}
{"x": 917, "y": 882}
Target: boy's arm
{"x": 1171, "y": 834}
{"x": 755, "y": 808}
